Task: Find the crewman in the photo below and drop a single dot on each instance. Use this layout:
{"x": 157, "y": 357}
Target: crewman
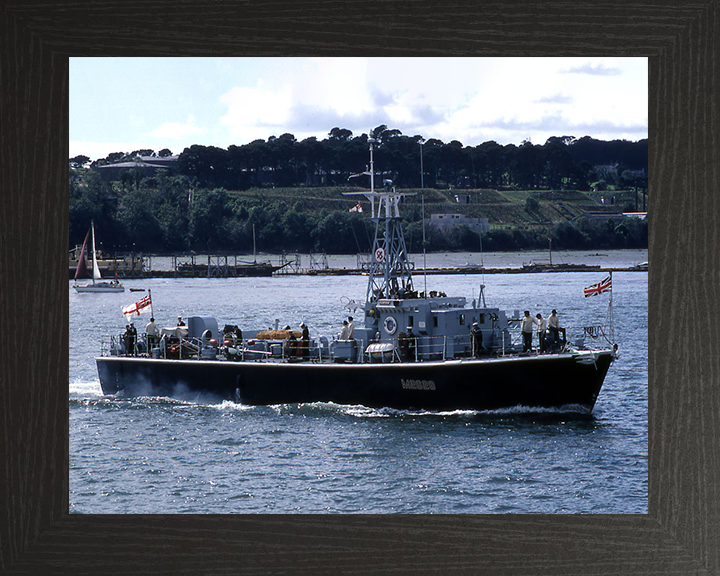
{"x": 541, "y": 329}
{"x": 305, "y": 341}
{"x": 527, "y": 331}
{"x": 344, "y": 331}
{"x": 290, "y": 343}
{"x": 127, "y": 340}
{"x": 152, "y": 333}
{"x": 351, "y": 328}
{"x": 133, "y": 334}
{"x": 555, "y": 329}
{"x": 477, "y": 339}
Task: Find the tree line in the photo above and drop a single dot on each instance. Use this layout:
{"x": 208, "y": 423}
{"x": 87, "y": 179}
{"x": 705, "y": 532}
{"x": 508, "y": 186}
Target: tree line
{"x": 198, "y": 207}
{"x": 283, "y": 161}
{"x": 562, "y": 162}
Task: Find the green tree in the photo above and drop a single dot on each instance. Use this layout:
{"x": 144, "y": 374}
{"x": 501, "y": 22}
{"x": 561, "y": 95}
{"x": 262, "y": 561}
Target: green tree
{"x": 297, "y": 229}
{"x": 207, "y": 164}
{"x": 91, "y": 199}
{"x": 137, "y": 215}
{"x": 208, "y": 220}
{"x": 340, "y": 134}
{"x": 339, "y": 233}
{"x": 79, "y": 162}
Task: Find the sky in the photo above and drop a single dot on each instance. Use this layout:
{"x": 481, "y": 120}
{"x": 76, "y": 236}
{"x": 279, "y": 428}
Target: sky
{"x": 128, "y": 104}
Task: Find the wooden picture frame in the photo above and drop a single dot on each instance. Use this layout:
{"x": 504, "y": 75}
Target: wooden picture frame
{"x": 680, "y": 533}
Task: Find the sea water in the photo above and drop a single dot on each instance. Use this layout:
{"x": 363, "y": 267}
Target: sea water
{"x": 202, "y": 455}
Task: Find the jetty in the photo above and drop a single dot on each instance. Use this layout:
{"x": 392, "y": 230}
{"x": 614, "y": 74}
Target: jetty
{"x": 232, "y": 266}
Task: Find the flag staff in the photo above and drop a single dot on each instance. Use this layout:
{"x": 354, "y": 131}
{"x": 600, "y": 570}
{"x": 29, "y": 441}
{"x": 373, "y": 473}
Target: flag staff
{"x": 152, "y": 314}
{"x": 611, "y": 327}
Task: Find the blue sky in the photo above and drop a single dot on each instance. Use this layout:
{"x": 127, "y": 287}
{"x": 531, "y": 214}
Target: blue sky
{"x": 126, "y": 104}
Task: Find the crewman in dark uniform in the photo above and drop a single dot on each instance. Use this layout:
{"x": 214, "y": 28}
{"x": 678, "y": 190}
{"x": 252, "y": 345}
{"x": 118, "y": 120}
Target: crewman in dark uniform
{"x": 133, "y": 334}
{"x": 477, "y": 339}
{"x": 305, "y": 342}
{"x": 412, "y": 344}
{"x": 290, "y": 343}
{"x": 127, "y": 340}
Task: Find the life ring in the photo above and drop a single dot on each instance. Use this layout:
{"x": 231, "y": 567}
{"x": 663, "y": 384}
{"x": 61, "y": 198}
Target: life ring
{"x": 390, "y": 325}
{"x": 380, "y": 254}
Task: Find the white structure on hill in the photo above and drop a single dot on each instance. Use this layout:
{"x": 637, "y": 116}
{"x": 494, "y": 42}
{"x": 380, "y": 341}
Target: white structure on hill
{"x": 445, "y": 222}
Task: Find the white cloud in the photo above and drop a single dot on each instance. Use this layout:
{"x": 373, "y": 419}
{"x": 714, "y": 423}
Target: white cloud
{"x": 251, "y": 112}
{"x": 465, "y": 99}
{"x": 594, "y": 69}
{"x": 177, "y": 130}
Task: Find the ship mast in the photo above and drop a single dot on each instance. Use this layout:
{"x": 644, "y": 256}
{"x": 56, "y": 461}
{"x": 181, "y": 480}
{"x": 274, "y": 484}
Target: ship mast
{"x": 390, "y": 270}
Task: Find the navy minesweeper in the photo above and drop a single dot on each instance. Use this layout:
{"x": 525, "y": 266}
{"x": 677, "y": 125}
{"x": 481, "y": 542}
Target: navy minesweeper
{"x": 418, "y": 351}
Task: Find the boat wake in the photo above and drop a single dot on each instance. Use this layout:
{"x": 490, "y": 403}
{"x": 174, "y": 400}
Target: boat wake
{"x": 359, "y": 411}
{"x": 85, "y": 389}
{"x": 83, "y": 392}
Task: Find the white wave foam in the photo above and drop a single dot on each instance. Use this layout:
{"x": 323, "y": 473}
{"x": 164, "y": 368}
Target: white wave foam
{"x": 85, "y": 388}
{"x": 360, "y": 411}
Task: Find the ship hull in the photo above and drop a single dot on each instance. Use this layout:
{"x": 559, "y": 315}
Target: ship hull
{"x": 546, "y": 381}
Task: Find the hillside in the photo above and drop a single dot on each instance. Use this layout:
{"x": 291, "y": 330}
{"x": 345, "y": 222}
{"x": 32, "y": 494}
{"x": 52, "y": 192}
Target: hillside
{"x": 514, "y": 209}
{"x": 165, "y": 214}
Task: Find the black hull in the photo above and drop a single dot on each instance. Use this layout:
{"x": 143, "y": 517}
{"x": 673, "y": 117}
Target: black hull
{"x": 546, "y": 381}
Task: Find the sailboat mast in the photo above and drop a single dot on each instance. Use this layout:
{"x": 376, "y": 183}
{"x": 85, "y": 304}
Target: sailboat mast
{"x": 96, "y": 270}
{"x": 550, "y": 245}
{"x": 254, "y": 247}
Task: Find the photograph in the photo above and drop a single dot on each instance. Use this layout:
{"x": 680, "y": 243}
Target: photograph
{"x": 358, "y": 285}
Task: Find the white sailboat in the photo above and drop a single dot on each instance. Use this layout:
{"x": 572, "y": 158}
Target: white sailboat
{"x": 82, "y": 271}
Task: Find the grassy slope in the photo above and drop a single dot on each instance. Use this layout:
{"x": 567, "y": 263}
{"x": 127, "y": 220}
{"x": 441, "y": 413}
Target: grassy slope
{"x": 502, "y": 208}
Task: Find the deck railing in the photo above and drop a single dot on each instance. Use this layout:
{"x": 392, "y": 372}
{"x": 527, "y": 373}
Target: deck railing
{"x": 417, "y": 349}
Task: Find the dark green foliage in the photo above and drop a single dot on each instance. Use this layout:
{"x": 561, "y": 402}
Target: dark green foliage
{"x": 341, "y": 233}
{"x": 209, "y": 222}
{"x": 91, "y": 199}
{"x": 166, "y": 214}
{"x": 531, "y": 205}
{"x": 137, "y": 216}
{"x": 562, "y": 162}
{"x": 202, "y": 207}
{"x": 499, "y": 241}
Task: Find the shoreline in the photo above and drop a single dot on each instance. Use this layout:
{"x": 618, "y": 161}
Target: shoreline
{"x": 247, "y": 272}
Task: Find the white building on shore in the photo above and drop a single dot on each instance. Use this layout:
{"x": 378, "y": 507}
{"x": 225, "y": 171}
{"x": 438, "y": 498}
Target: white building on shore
{"x": 445, "y": 222}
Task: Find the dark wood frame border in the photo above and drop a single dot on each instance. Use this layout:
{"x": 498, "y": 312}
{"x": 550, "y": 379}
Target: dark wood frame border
{"x": 681, "y": 531}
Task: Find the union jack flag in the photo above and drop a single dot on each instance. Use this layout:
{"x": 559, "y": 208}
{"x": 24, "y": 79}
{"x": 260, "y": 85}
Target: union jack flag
{"x": 138, "y": 307}
{"x": 599, "y": 288}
